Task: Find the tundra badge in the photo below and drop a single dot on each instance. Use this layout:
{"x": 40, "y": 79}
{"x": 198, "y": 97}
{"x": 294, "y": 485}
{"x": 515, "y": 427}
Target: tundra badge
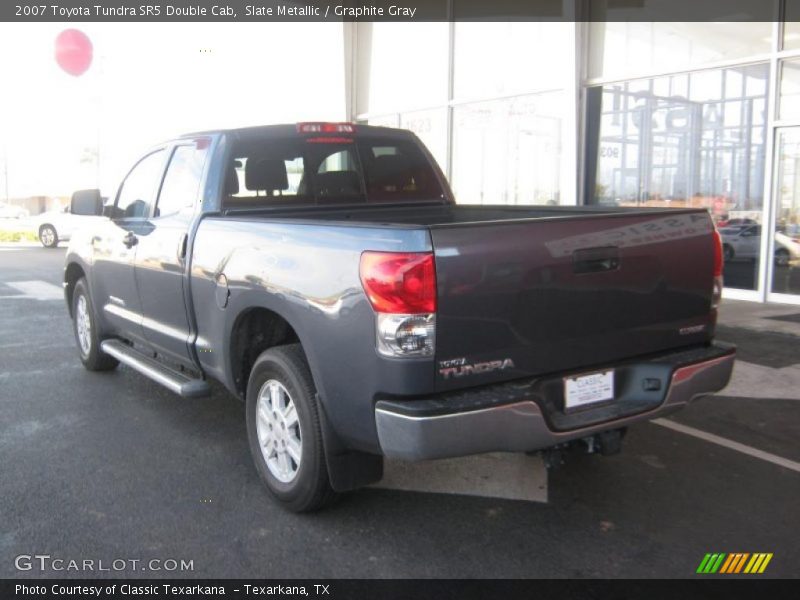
{"x": 458, "y": 367}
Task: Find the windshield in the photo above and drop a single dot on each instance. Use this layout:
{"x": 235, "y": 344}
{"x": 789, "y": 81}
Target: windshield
{"x": 327, "y": 170}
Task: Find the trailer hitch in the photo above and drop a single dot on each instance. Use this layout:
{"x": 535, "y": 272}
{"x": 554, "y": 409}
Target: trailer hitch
{"x": 606, "y": 443}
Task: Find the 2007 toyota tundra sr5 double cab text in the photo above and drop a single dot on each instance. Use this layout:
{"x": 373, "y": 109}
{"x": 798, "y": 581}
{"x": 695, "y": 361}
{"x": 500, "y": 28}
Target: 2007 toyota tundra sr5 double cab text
{"x": 325, "y": 275}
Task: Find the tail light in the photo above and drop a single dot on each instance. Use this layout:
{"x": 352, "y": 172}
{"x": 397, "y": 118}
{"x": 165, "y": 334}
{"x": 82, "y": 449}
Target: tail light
{"x": 401, "y": 287}
{"x": 399, "y": 282}
{"x": 716, "y": 295}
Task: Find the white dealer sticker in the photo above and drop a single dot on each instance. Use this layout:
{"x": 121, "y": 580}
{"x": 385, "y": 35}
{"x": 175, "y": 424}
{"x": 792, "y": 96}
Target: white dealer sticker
{"x": 588, "y": 389}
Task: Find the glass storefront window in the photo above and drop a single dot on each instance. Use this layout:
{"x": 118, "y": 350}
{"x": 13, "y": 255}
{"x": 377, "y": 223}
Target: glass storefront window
{"x": 786, "y": 270}
{"x": 431, "y": 127}
{"x": 396, "y": 75}
{"x": 687, "y": 140}
{"x": 499, "y": 59}
{"x": 625, "y": 49}
{"x": 508, "y": 151}
{"x": 385, "y": 121}
{"x": 789, "y": 108}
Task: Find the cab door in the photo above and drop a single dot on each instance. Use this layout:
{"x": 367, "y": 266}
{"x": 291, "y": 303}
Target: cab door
{"x": 161, "y": 269}
{"x": 113, "y": 284}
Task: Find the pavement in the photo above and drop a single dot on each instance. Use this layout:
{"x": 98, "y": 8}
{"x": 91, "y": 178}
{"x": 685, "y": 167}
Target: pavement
{"x": 111, "y": 467}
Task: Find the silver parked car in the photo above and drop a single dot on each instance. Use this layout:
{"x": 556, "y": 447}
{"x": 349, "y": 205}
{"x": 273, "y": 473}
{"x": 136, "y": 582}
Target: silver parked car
{"x": 58, "y": 225}
{"x": 745, "y": 243}
{"x": 9, "y": 211}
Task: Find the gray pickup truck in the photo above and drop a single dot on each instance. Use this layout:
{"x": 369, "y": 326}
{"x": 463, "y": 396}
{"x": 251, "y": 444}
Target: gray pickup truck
{"x": 324, "y": 273}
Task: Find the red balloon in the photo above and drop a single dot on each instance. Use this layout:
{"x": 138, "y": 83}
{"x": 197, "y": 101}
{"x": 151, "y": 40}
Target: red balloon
{"x": 73, "y": 51}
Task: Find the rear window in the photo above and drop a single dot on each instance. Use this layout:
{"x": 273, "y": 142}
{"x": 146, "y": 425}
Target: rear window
{"x": 339, "y": 170}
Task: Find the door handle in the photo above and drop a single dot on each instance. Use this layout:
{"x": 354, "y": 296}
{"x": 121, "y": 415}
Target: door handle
{"x": 182, "y": 247}
{"x": 595, "y": 260}
{"x": 130, "y": 240}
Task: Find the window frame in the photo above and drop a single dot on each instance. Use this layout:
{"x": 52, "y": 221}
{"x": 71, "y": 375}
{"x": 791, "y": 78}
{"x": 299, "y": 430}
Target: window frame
{"x": 156, "y": 189}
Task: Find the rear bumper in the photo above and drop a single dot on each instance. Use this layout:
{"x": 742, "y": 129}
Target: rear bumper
{"x": 526, "y": 416}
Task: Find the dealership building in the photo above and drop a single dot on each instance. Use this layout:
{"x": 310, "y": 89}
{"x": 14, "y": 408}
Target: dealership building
{"x": 662, "y": 114}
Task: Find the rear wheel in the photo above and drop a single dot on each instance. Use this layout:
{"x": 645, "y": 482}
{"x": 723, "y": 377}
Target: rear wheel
{"x": 48, "y": 236}
{"x": 283, "y": 429}
{"x": 781, "y": 257}
{"x": 84, "y": 326}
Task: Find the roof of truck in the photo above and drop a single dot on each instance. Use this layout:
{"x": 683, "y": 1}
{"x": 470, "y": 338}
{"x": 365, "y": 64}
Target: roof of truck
{"x": 289, "y": 129}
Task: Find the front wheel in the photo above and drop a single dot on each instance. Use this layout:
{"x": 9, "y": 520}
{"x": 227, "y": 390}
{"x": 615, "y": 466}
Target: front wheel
{"x": 727, "y": 252}
{"x": 84, "y": 326}
{"x": 48, "y": 236}
{"x": 283, "y": 429}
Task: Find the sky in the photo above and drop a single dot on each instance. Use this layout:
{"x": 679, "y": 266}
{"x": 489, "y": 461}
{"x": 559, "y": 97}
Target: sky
{"x": 148, "y": 83}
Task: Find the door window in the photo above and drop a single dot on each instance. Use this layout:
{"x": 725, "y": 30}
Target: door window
{"x": 137, "y": 194}
{"x": 336, "y": 162}
{"x": 182, "y": 181}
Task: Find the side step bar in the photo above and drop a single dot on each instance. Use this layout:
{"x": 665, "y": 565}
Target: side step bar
{"x": 169, "y": 378}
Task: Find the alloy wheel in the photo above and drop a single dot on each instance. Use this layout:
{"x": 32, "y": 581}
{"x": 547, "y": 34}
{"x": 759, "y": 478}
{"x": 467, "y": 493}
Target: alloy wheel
{"x": 48, "y": 236}
{"x": 278, "y": 428}
{"x": 83, "y": 324}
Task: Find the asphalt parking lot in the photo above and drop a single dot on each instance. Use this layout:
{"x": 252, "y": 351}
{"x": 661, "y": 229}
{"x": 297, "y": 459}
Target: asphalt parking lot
{"x": 111, "y": 466}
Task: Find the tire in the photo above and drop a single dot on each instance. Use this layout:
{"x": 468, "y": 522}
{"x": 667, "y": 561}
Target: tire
{"x": 48, "y": 236}
{"x": 727, "y": 252}
{"x": 781, "y": 257}
{"x": 280, "y": 378}
{"x": 84, "y": 326}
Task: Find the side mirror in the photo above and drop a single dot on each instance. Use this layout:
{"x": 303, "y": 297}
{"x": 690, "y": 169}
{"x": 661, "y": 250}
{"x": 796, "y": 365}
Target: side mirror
{"x": 86, "y": 202}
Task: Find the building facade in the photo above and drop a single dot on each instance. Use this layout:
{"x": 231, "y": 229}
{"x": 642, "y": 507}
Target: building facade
{"x": 618, "y": 113}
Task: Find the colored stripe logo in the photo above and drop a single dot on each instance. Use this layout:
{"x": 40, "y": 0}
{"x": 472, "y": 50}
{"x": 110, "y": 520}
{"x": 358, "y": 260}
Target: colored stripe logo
{"x": 737, "y": 562}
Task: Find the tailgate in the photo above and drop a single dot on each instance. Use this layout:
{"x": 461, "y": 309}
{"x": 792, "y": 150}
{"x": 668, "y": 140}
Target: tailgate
{"x": 525, "y": 297}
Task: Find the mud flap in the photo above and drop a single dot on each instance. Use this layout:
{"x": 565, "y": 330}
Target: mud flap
{"x": 347, "y": 469}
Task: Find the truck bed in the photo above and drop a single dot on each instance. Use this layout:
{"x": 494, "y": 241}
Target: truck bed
{"x": 536, "y": 290}
{"x": 436, "y": 214}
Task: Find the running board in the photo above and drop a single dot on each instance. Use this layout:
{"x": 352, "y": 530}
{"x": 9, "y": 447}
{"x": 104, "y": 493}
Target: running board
{"x": 171, "y": 379}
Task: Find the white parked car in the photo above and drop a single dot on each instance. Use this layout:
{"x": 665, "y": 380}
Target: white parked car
{"x": 8, "y": 211}
{"x": 745, "y": 243}
{"x": 58, "y": 225}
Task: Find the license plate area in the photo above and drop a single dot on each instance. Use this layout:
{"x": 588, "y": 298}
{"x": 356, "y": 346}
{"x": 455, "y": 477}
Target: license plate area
{"x": 588, "y": 389}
